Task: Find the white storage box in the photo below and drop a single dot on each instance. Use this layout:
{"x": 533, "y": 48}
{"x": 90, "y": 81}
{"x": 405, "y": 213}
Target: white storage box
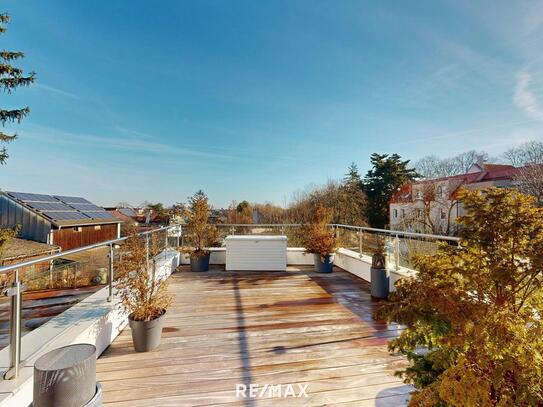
{"x": 256, "y": 252}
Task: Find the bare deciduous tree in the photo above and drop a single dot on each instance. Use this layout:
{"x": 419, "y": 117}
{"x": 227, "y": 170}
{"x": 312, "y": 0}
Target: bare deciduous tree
{"x": 433, "y": 210}
{"x": 431, "y": 166}
{"x": 529, "y": 180}
{"x": 530, "y": 152}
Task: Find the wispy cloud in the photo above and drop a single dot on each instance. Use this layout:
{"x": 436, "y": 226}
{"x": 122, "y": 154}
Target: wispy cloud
{"x": 525, "y": 98}
{"x": 131, "y": 132}
{"x": 135, "y": 144}
{"x": 56, "y": 91}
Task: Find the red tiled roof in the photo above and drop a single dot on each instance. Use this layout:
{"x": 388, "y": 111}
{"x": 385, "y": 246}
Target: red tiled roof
{"x": 490, "y": 172}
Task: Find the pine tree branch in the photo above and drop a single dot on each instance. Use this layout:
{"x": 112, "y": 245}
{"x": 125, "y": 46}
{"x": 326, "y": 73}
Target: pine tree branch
{"x": 14, "y": 82}
{"x": 13, "y": 115}
{"x": 4, "y": 19}
{"x": 11, "y": 55}
{"x": 3, "y": 155}
{"x": 6, "y": 138}
{"x": 9, "y": 70}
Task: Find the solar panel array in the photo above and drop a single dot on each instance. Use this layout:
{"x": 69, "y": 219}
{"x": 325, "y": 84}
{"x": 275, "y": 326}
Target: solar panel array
{"x": 62, "y": 208}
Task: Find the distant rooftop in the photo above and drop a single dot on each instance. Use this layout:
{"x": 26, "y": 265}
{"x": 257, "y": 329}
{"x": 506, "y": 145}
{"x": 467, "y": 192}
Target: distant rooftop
{"x": 19, "y": 249}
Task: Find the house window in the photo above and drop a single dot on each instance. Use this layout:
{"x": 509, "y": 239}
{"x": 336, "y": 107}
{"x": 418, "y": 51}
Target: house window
{"x": 395, "y": 213}
{"x": 442, "y": 214}
{"x": 97, "y": 227}
{"x": 78, "y": 229}
{"x": 419, "y": 195}
{"x": 420, "y": 213}
{"x": 403, "y": 213}
{"x": 440, "y": 191}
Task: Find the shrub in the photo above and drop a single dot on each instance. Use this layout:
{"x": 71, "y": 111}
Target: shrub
{"x": 315, "y": 235}
{"x": 143, "y": 294}
{"x": 476, "y": 309}
{"x": 199, "y": 234}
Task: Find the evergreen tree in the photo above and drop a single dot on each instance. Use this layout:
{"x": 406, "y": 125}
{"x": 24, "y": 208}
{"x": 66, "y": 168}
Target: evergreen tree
{"x": 351, "y": 199}
{"x": 352, "y": 179}
{"x": 11, "y": 78}
{"x": 387, "y": 175}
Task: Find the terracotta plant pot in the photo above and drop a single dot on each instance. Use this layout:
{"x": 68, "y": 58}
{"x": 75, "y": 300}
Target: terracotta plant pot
{"x": 323, "y": 264}
{"x": 146, "y": 334}
{"x": 200, "y": 263}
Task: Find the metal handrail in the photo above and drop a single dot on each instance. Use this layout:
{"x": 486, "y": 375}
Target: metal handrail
{"x": 58, "y": 255}
{"x": 352, "y": 227}
{"x": 263, "y": 225}
{"x": 398, "y": 233}
{"x": 15, "y": 292}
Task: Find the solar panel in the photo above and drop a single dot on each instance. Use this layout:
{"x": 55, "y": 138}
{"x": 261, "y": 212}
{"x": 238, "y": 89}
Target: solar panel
{"x": 86, "y": 207}
{"x": 127, "y": 211}
{"x": 99, "y": 215}
{"x": 25, "y": 197}
{"x": 66, "y": 215}
{"x": 72, "y": 199}
{"x": 62, "y": 208}
{"x": 49, "y": 206}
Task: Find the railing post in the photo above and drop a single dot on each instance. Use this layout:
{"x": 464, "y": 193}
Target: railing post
{"x": 147, "y": 250}
{"x": 232, "y": 230}
{"x": 282, "y": 229}
{"x": 15, "y": 292}
{"x": 360, "y": 241}
{"x": 397, "y": 252}
{"x": 50, "y": 273}
{"x": 110, "y": 274}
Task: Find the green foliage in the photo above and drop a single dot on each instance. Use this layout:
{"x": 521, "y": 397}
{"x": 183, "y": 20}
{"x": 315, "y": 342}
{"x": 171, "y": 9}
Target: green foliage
{"x": 200, "y": 235}
{"x": 477, "y": 309}
{"x": 243, "y": 206}
{"x": 157, "y": 209}
{"x": 11, "y": 78}
{"x": 387, "y": 175}
{"x": 352, "y": 199}
{"x": 315, "y": 235}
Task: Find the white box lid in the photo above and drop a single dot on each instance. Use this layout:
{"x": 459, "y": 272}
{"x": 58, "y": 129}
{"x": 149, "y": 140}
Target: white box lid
{"x": 255, "y": 237}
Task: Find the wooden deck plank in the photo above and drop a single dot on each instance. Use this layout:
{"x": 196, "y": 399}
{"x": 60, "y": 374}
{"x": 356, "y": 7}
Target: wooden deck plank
{"x": 229, "y": 328}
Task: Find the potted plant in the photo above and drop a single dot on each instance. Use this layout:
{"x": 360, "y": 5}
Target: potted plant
{"x": 142, "y": 291}
{"x": 379, "y": 277}
{"x": 199, "y": 234}
{"x": 319, "y": 239}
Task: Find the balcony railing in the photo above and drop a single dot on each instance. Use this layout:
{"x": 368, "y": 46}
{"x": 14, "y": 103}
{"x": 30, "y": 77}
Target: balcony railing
{"x": 93, "y": 266}
{"x": 400, "y": 246}
{"x": 80, "y": 271}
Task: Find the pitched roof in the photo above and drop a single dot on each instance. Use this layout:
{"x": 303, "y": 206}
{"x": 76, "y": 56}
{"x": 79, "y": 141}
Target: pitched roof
{"x": 62, "y": 210}
{"x": 18, "y": 249}
{"x": 489, "y": 172}
{"x": 121, "y": 215}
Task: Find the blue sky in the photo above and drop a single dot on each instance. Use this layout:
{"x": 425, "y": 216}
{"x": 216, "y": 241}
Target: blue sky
{"x": 140, "y": 100}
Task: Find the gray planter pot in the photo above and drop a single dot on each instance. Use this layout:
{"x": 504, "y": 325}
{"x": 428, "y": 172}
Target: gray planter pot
{"x": 323, "y": 264}
{"x": 146, "y": 334}
{"x": 58, "y": 372}
{"x": 380, "y": 281}
{"x": 200, "y": 263}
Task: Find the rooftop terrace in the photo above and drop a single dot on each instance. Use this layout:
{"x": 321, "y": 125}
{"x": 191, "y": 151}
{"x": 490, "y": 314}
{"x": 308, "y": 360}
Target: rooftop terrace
{"x": 229, "y": 328}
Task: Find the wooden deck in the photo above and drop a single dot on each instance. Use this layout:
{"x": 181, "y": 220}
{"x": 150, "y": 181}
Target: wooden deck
{"x": 225, "y": 329}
